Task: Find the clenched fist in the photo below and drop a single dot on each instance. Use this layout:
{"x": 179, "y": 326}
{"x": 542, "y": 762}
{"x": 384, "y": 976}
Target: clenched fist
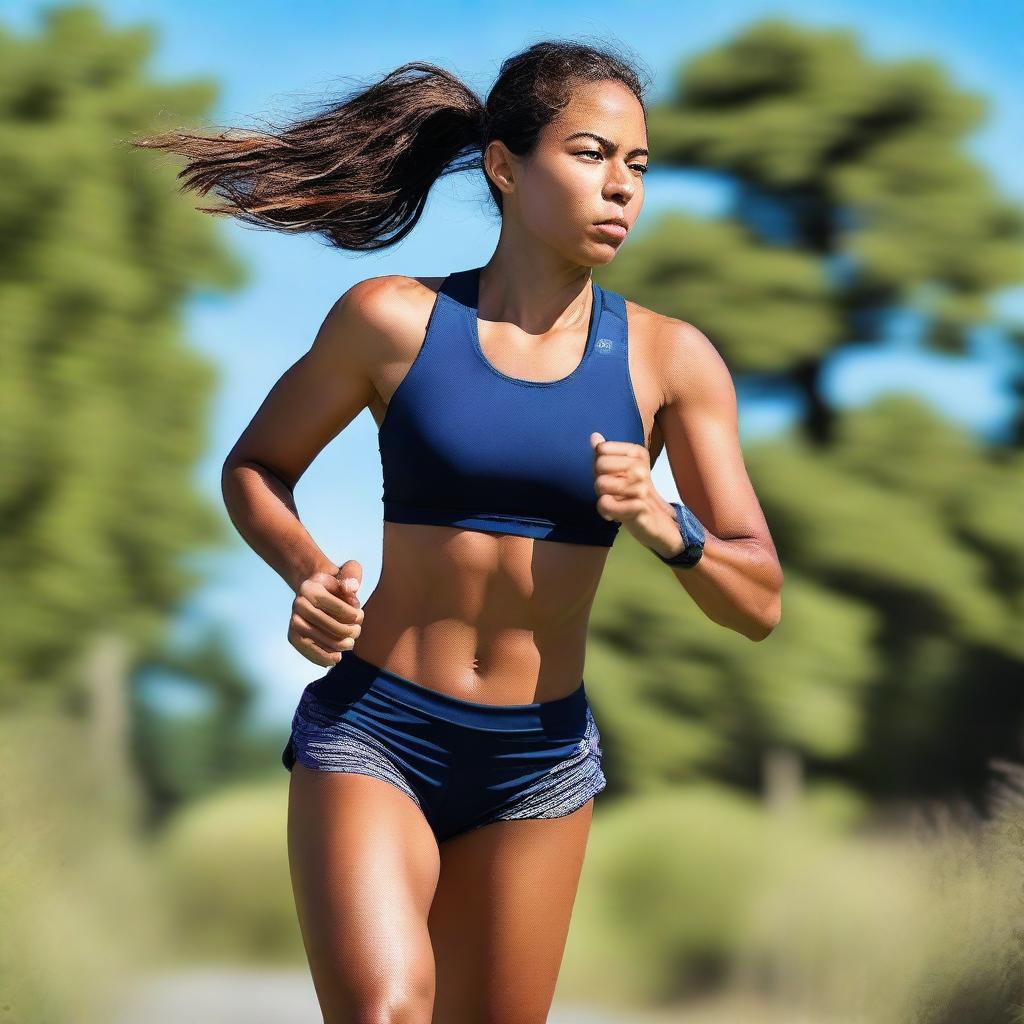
{"x": 622, "y": 482}
{"x": 326, "y": 616}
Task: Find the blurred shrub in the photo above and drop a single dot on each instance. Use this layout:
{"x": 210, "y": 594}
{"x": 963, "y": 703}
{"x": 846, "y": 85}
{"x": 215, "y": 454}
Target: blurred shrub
{"x": 224, "y": 860}
{"x": 835, "y": 806}
{"x": 693, "y": 890}
{"x": 667, "y": 885}
{"x": 79, "y": 902}
{"x": 896, "y": 929}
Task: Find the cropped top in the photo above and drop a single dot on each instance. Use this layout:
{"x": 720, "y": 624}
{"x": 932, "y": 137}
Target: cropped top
{"x": 464, "y": 445}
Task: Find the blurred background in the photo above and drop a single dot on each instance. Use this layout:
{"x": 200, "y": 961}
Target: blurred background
{"x": 827, "y": 826}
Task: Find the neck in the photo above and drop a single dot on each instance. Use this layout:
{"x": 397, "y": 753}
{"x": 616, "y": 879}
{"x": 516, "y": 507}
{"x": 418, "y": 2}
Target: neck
{"x": 540, "y": 297}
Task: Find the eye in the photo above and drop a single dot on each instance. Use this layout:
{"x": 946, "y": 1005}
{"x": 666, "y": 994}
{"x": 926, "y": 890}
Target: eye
{"x": 642, "y": 168}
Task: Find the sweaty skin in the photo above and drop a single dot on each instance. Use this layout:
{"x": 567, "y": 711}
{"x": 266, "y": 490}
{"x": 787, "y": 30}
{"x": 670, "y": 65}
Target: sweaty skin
{"x": 495, "y": 618}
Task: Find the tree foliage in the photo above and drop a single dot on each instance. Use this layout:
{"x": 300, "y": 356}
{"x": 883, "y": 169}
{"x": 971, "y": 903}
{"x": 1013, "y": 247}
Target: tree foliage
{"x": 103, "y": 409}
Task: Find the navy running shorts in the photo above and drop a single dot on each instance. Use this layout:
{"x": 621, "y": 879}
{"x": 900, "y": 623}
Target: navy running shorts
{"x": 463, "y": 763}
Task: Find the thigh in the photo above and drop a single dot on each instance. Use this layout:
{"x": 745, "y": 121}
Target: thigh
{"x": 364, "y": 866}
{"x": 500, "y": 917}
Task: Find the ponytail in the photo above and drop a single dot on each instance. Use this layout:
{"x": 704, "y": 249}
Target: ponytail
{"x": 357, "y": 172}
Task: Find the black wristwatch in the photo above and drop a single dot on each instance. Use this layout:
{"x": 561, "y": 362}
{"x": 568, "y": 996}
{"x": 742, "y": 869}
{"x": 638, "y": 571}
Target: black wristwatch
{"x": 692, "y": 532}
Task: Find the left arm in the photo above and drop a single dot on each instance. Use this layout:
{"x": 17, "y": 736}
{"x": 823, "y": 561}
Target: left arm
{"x": 738, "y": 580}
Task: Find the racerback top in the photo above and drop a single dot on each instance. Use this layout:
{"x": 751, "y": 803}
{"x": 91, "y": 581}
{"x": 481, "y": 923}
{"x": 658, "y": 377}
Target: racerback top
{"x": 464, "y": 445}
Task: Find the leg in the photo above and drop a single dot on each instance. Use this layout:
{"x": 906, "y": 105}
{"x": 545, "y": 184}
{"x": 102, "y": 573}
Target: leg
{"x": 501, "y": 915}
{"x": 364, "y": 865}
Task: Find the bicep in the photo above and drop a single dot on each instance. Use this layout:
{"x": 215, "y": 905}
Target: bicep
{"x": 700, "y": 425}
{"x": 316, "y": 397}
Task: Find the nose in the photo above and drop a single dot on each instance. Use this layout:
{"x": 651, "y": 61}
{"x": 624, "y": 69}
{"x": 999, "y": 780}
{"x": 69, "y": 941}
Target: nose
{"x": 620, "y": 182}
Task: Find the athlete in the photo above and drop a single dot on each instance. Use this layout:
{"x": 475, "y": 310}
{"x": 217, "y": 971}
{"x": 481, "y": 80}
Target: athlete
{"x": 444, "y": 768}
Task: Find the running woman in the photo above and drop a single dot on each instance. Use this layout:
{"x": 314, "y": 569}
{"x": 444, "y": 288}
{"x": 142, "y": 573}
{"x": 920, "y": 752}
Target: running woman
{"x": 444, "y": 768}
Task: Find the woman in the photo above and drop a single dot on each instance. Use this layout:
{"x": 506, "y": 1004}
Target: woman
{"x": 444, "y": 769}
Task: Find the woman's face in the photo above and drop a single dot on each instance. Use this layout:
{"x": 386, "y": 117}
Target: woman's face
{"x": 574, "y": 180}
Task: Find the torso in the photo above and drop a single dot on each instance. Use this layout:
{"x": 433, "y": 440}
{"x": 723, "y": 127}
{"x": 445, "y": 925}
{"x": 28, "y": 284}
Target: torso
{"x": 499, "y": 619}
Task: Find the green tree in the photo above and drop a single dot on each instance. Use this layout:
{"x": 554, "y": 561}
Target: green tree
{"x": 104, "y": 404}
{"x": 103, "y": 407}
{"x": 181, "y": 757}
{"x": 102, "y": 418}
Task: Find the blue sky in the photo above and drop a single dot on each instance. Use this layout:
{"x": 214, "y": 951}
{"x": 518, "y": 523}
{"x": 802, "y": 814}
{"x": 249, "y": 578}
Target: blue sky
{"x": 277, "y": 59}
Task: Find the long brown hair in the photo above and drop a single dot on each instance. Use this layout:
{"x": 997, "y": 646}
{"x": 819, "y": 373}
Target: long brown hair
{"x": 359, "y": 170}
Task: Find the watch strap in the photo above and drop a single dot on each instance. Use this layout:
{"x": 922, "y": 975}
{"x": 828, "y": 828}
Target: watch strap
{"x": 693, "y": 534}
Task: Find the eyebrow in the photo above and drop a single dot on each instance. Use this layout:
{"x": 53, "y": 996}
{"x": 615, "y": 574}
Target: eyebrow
{"x": 608, "y": 144}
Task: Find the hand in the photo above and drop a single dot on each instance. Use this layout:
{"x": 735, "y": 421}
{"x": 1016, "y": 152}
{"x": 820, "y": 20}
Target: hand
{"x": 326, "y": 616}
{"x": 622, "y": 481}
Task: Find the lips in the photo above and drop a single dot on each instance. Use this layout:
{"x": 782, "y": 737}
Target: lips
{"x": 612, "y": 230}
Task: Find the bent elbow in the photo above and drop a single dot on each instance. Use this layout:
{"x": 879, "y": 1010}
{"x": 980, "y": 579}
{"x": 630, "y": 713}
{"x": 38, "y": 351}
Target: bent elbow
{"x": 766, "y": 624}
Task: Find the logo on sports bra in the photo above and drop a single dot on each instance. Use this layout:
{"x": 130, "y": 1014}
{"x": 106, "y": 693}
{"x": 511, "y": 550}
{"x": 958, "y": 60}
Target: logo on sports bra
{"x": 604, "y": 345}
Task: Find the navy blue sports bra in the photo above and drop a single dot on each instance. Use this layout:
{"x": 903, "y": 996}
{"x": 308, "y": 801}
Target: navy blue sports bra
{"x": 464, "y": 445}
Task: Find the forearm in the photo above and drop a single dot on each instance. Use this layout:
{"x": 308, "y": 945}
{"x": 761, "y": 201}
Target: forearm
{"x": 262, "y": 509}
{"x": 737, "y": 582}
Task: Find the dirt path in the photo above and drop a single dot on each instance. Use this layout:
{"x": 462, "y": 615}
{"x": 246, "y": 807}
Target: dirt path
{"x": 224, "y": 996}
{"x": 240, "y": 996}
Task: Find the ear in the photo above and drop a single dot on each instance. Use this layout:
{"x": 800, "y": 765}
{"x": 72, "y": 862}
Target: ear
{"x": 498, "y": 163}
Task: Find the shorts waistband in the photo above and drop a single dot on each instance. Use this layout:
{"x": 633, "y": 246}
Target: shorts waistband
{"x": 564, "y": 712}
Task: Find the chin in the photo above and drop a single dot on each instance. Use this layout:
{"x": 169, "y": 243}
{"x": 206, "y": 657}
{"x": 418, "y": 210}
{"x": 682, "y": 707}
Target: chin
{"x": 603, "y": 255}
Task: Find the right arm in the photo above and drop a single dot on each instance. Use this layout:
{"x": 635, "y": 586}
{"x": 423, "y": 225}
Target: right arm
{"x": 311, "y": 403}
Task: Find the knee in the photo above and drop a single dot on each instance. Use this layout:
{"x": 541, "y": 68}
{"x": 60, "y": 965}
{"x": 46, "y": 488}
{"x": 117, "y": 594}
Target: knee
{"x": 408, "y": 1005}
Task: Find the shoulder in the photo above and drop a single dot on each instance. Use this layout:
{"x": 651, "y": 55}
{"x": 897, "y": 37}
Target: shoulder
{"x": 381, "y": 314}
{"x": 688, "y": 365}
{"x": 377, "y": 301}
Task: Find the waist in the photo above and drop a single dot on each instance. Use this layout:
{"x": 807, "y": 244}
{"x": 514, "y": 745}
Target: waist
{"x": 353, "y": 674}
{"x": 485, "y": 661}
